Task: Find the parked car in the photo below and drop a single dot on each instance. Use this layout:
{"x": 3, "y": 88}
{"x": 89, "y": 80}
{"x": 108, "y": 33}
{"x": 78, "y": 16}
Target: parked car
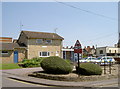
{"x": 89, "y": 59}
{"x": 100, "y": 60}
{"x": 106, "y": 59}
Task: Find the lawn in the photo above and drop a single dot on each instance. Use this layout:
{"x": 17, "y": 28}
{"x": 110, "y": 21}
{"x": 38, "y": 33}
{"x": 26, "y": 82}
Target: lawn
{"x": 9, "y": 66}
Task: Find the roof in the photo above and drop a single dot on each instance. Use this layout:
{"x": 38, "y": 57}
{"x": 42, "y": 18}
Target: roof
{"x": 10, "y": 46}
{"x": 5, "y": 39}
{"x": 31, "y": 34}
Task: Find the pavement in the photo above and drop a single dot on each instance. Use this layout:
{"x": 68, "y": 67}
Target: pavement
{"x": 21, "y": 75}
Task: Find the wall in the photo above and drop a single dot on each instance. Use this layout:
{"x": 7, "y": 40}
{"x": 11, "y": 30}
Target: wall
{"x": 34, "y": 48}
{"x": 112, "y": 50}
{"x": 6, "y": 58}
{"x": 98, "y": 51}
{"x": 9, "y": 58}
{"x": 21, "y": 54}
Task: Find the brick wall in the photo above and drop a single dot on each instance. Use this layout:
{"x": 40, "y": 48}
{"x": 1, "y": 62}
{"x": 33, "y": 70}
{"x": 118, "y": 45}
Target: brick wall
{"x": 35, "y": 48}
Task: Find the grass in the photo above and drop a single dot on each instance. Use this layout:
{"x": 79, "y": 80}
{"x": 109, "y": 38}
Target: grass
{"x": 9, "y": 66}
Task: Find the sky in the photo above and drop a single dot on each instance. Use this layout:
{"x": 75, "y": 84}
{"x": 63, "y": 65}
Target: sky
{"x": 92, "y": 23}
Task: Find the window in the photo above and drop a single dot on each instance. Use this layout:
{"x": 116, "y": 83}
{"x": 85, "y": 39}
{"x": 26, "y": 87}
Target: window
{"x": 101, "y": 51}
{"x": 44, "y": 54}
{"x": 39, "y": 41}
{"x": 48, "y": 41}
{"x": 4, "y": 52}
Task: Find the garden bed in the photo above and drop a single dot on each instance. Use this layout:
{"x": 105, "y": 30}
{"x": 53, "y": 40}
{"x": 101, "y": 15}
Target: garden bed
{"x": 71, "y": 77}
{"x": 74, "y": 77}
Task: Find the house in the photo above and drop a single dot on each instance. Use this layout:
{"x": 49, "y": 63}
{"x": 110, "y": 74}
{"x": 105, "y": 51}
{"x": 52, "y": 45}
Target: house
{"x": 108, "y": 51}
{"x": 89, "y": 51}
{"x": 32, "y": 44}
{"x": 9, "y": 51}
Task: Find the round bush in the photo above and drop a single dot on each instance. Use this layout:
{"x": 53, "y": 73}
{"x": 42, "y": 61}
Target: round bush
{"x": 89, "y": 69}
{"x": 56, "y": 65}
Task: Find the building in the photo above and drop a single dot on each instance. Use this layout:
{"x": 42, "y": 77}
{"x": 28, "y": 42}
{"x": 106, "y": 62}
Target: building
{"x": 68, "y": 53}
{"x": 5, "y": 40}
{"x": 89, "y": 51}
{"x": 108, "y": 51}
{"x": 9, "y": 51}
{"x": 12, "y": 52}
{"x": 32, "y": 44}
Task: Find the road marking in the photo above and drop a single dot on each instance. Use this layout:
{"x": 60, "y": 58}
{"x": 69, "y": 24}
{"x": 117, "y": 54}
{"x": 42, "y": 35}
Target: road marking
{"x": 29, "y": 83}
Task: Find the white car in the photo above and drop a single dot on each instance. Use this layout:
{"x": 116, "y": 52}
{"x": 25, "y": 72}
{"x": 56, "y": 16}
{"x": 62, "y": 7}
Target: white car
{"x": 89, "y": 59}
{"x": 106, "y": 59}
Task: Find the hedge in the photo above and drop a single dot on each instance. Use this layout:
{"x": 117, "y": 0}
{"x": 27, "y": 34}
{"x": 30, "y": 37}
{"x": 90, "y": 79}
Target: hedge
{"x": 56, "y": 65}
{"x": 89, "y": 69}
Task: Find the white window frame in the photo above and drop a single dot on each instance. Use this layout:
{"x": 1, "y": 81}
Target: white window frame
{"x": 47, "y": 42}
{"x": 39, "y": 39}
{"x": 41, "y": 52}
{"x": 4, "y": 53}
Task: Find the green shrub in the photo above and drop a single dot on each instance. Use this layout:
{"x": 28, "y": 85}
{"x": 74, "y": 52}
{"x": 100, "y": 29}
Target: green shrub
{"x": 38, "y": 59}
{"x": 56, "y": 65}
{"x": 35, "y": 62}
{"x": 68, "y": 60}
{"x": 89, "y": 69}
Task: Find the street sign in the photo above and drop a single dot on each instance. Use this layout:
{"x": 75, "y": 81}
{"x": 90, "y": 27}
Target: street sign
{"x": 77, "y": 47}
{"x": 78, "y": 50}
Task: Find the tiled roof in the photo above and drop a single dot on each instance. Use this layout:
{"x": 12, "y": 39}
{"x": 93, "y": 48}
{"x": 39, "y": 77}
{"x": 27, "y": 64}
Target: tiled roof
{"x": 10, "y": 46}
{"x": 31, "y": 34}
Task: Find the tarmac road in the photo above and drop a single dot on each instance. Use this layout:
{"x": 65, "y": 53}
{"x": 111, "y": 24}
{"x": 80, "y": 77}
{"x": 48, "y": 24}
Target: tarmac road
{"x": 7, "y": 82}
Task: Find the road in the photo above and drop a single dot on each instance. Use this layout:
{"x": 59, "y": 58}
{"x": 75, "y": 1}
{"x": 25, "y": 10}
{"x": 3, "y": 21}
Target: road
{"x": 7, "y": 82}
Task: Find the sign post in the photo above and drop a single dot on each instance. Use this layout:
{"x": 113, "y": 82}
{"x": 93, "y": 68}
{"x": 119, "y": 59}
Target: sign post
{"x": 78, "y": 50}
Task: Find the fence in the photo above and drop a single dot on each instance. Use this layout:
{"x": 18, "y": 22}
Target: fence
{"x": 105, "y": 65}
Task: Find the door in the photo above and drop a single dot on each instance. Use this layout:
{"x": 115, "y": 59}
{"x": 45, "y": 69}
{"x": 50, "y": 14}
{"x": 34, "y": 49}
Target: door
{"x": 15, "y": 56}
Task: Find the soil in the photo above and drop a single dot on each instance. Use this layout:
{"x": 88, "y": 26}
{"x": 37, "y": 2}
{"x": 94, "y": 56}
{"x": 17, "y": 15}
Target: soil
{"x": 106, "y": 74}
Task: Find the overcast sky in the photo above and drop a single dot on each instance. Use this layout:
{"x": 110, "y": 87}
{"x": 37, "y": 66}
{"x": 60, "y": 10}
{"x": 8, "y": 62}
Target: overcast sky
{"x": 92, "y": 23}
